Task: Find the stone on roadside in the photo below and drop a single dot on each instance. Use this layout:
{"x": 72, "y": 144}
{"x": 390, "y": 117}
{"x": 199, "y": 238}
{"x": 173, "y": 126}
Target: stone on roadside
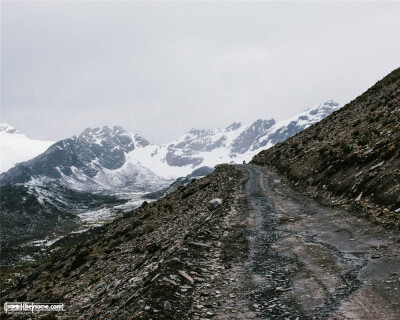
{"x": 214, "y": 203}
{"x": 186, "y": 276}
{"x": 167, "y": 305}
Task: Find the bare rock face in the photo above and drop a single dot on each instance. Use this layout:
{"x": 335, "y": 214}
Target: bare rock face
{"x": 185, "y": 158}
{"x": 353, "y": 155}
{"x": 250, "y": 137}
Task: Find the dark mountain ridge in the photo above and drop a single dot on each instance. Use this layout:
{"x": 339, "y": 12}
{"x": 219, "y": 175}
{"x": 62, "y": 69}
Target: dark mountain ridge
{"x": 352, "y": 156}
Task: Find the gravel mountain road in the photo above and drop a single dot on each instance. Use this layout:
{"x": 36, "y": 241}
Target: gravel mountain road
{"x": 302, "y": 260}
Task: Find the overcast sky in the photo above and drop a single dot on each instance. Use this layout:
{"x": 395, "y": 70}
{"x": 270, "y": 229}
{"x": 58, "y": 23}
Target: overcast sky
{"x": 161, "y": 68}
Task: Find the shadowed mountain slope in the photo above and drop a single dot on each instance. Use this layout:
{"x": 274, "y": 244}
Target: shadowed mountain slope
{"x": 351, "y": 156}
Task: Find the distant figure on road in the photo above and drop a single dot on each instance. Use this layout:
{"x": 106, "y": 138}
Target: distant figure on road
{"x": 244, "y": 161}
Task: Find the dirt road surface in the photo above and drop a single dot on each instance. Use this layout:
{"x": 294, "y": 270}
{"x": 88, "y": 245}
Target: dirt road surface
{"x": 287, "y": 257}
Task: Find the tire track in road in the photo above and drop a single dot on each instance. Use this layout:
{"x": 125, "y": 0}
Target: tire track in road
{"x": 309, "y": 261}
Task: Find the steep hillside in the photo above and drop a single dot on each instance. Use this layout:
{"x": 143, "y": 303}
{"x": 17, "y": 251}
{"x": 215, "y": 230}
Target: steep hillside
{"x": 32, "y": 213}
{"x": 352, "y": 156}
{"x": 16, "y": 147}
{"x": 145, "y": 265}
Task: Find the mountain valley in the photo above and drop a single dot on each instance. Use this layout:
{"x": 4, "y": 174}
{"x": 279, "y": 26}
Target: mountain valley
{"x": 46, "y": 196}
{"x": 246, "y": 241}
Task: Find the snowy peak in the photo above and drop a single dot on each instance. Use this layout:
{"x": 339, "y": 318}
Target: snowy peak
{"x": 95, "y": 150}
{"x": 111, "y": 158}
{"x": 15, "y": 147}
{"x": 199, "y": 140}
{"x": 324, "y": 109}
{"x": 6, "y": 128}
{"x": 233, "y": 126}
{"x": 233, "y": 144}
{"x": 113, "y": 136}
{"x": 284, "y": 129}
{"x": 251, "y": 135}
{"x": 93, "y": 161}
{"x": 313, "y": 114}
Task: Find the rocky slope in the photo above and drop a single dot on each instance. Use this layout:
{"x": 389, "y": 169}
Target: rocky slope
{"x": 352, "y": 156}
{"x": 152, "y": 263}
{"x": 16, "y": 147}
{"x": 181, "y": 181}
{"x": 32, "y": 213}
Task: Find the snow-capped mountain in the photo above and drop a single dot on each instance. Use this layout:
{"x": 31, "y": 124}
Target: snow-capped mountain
{"x": 15, "y": 147}
{"x": 114, "y": 160}
{"x": 87, "y": 172}
{"x": 74, "y": 180}
{"x": 233, "y": 144}
{"x": 93, "y": 161}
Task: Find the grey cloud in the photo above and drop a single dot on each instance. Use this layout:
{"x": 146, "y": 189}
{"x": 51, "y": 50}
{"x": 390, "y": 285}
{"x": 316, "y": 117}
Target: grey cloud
{"x": 161, "y": 68}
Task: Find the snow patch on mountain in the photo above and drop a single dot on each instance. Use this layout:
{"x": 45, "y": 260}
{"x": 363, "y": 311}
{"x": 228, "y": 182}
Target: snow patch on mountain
{"x": 234, "y": 144}
{"x": 15, "y": 147}
{"x": 114, "y": 160}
